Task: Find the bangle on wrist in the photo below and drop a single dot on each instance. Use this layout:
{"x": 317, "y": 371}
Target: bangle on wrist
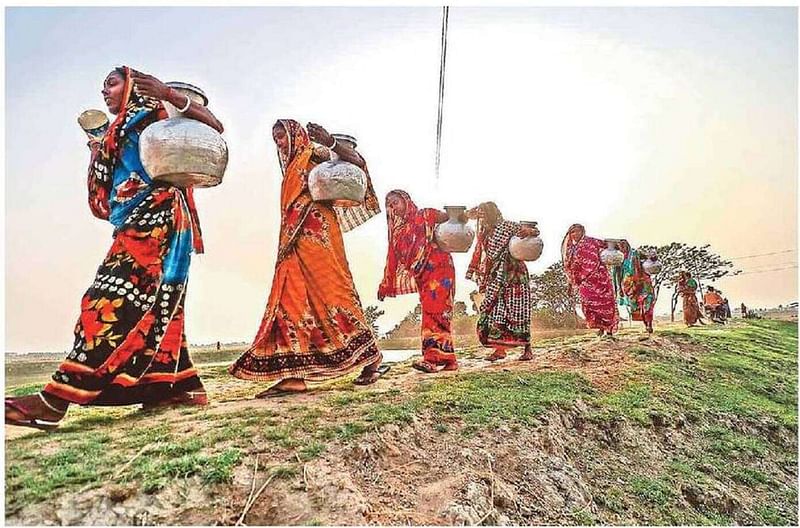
{"x": 186, "y": 107}
{"x": 334, "y": 143}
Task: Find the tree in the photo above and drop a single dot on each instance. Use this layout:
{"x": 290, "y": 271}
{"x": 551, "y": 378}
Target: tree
{"x": 551, "y": 296}
{"x": 700, "y": 261}
{"x": 371, "y": 314}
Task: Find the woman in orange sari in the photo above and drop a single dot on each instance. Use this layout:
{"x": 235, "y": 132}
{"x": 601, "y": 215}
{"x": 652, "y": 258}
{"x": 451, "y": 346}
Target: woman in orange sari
{"x": 687, "y": 288}
{"x": 314, "y": 327}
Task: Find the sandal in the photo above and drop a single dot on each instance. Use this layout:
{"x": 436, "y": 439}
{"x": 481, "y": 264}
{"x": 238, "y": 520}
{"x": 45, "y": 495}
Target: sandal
{"x": 29, "y": 419}
{"x": 372, "y": 376}
{"x": 424, "y": 366}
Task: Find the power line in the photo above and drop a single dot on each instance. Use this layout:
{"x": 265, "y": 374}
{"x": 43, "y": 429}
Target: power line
{"x": 766, "y": 270}
{"x": 772, "y": 265}
{"x": 442, "y": 61}
{"x": 765, "y": 254}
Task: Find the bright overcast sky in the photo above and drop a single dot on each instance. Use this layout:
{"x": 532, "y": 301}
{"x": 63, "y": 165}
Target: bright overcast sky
{"x": 656, "y": 124}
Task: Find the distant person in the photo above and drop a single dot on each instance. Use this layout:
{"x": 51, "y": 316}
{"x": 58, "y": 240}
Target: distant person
{"x": 635, "y": 287}
{"x": 744, "y": 311}
{"x": 416, "y": 264}
{"x": 687, "y": 288}
{"x": 129, "y": 344}
{"x": 712, "y": 298}
{"x": 218, "y": 346}
{"x": 585, "y": 271}
{"x": 504, "y": 315}
{"x": 314, "y": 328}
{"x": 714, "y": 305}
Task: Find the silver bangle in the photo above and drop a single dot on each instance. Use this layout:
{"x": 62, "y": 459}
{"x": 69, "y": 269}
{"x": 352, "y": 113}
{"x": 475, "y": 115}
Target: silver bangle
{"x": 334, "y": 144}
{"x": 188, "y": 104}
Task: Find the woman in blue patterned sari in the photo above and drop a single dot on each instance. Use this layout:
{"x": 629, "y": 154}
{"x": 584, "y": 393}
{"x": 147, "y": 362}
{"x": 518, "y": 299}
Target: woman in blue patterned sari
{"x": 129, "y": 343}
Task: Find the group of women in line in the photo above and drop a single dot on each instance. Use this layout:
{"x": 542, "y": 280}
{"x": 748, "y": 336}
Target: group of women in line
{"x": 130, "y": 347}
{"x": 601, "y": 290}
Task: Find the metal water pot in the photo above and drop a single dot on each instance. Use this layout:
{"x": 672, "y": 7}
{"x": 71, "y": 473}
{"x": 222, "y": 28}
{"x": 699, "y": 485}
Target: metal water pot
{"x": 182, "y": 151}
{"x": 94, "y": 123}
{"x": 652, "y": 266}
{"x": 528, "y": 248}
{"x": 454, "y": 236}
{"x": 339, "y": 182}
{"x": 611, "y": 256}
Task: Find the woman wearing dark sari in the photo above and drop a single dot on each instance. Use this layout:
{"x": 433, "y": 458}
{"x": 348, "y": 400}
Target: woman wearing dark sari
{"x": 130, "y": 345}
{"x": 416, "y": 264}
{"x": 581, "y": 258}
{"x": 314, "y": 327}
{"x": 635, "y": 287}
{"x": 504, "y": 316}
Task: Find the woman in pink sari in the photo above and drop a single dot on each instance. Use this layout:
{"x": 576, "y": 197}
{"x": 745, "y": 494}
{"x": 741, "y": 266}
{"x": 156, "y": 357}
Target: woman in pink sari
{"x": 584, "y": 270}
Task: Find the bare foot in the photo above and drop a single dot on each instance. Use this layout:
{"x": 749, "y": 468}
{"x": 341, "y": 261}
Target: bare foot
{"x": 450, "y": 366}
{"x": 496, "y": 355}
{"x": 284, "y": 387}
{"x": 198, "y": 397}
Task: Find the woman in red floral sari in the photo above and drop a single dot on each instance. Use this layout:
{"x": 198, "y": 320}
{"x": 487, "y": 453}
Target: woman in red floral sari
{"x": 585, "y": 270}
{"x": 415, "y": 263}
{"x": 129, "y": 341}
{"x": 504, "y": 316}
{"x": 313, "y": 328}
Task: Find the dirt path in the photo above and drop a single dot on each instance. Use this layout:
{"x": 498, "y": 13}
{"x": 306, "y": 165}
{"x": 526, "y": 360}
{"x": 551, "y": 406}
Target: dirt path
{"x": 601, "y": 361}
{"x": 557, "y": 468}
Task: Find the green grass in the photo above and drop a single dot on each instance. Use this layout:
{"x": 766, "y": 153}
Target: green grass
{"x": 770, "y": 516}
{"x": 490, "y": 399}
{"x": 738, "y": 381}
{"x": 750, "y": 372}
{"x": 730, "y": 444}
{"x": 653, "y": 491}
{"x": 25, "y": 390}
{"x": 157, "y": 469}
{"x": 282, "y": 436}
{"x": 74, "y": 463}
{"x": 311, "y": 450}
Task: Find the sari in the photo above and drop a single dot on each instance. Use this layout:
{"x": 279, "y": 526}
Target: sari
{"x": 416, "y": 264}
{"x": 504, "y": 316}
{"x": 313, "y": 326}
{"x": 129, "y": 343}
{"x": 687, "y": 288}
{"x": 585, "y": 270}
{"x": 635, "y": 288}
